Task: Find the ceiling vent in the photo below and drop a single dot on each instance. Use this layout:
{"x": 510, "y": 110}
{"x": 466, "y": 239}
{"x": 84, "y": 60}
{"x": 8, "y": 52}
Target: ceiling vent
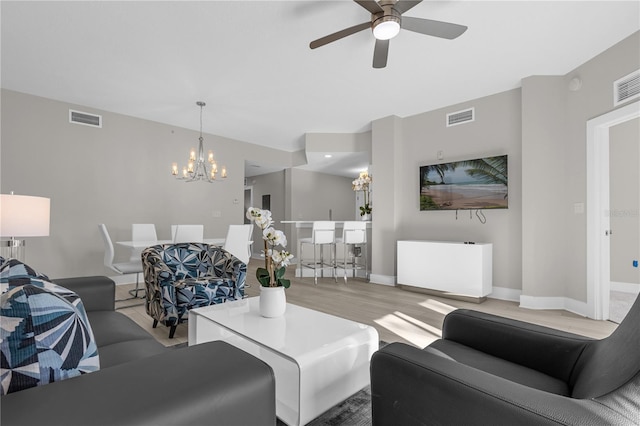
{"x": 626, "y": 88}
{"x": 85, "y": 119}
{"x": 460, "y": 117}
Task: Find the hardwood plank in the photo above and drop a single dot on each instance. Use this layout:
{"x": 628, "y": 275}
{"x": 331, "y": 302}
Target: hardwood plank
{"x": 398, "y": 315}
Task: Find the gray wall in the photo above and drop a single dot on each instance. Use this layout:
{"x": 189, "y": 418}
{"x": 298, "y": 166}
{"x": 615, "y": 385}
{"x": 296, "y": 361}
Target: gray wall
{"x": 314, "y": 194}
{"x": 272, "y": 184}
{"x": 539, "y": 242}
{"x": 117, "y": 175}
{"x": 495, "y": 131}
{"x": 554, "y": 169}
{"x": 624, "y": 197}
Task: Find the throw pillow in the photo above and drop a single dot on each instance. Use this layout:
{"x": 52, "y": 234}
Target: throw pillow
{"x": 14, "y": 273}
{"x": 45, "y": 336}
{"x": 13, "y": 269}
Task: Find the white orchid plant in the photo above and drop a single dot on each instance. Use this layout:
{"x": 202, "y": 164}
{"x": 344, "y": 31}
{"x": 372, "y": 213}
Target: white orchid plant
{"x": 276, "y": 261}
{"x": 362, "y": 184}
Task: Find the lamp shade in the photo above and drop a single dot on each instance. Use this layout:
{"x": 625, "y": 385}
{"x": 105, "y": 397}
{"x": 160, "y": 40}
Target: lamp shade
{"x": 24, "y": 216}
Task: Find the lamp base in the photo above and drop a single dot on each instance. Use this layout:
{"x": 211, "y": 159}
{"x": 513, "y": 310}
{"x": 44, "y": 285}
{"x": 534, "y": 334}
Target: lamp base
{"x": 14, "y": 249}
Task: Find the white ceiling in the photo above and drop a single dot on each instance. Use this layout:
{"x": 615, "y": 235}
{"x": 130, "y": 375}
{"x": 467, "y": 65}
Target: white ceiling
{"x": 251, "y": 62}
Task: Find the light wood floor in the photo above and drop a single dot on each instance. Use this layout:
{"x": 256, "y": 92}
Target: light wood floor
{"x": 398, "y": 315}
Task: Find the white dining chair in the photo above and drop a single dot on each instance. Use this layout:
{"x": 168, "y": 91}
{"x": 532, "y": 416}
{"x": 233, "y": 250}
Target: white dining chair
{"x": 238, "y": 241}
{"x": 354, "y": 245}
{"x": 122, "y": 268}
{"x": 323, "y": 233}
{"x": 187, "y": 233}
{"x": 142, "y": 233}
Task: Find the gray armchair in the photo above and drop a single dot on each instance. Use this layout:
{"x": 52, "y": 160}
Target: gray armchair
{"x": 488, "y": 370}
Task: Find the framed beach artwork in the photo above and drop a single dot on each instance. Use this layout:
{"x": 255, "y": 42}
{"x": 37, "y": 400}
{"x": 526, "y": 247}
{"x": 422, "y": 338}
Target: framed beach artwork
{"x": 481, "y": 183}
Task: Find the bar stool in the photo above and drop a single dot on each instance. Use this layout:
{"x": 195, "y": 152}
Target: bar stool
{"x": 354, "y": 238}
{"x": 322, "y": 233}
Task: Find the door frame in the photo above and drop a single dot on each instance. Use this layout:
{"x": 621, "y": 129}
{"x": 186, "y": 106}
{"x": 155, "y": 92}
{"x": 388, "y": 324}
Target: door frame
{"x": 598, "y": 223}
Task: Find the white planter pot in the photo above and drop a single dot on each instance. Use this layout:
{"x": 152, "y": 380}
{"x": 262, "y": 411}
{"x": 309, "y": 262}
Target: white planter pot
{"x": 273, "y": 301}
{"x": 366, "y": 217}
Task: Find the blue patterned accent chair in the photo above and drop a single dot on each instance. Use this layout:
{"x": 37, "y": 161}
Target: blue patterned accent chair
{"x": 183, "y": 276}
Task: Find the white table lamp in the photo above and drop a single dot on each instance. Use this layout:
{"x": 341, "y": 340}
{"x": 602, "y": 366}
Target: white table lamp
{"x": 23, "y": 216}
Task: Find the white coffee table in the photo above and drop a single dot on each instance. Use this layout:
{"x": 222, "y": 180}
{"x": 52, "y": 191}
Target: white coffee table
{"x": 318, "y": 359}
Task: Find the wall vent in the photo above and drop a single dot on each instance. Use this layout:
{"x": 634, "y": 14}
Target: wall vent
{"x": 85, "y": 118}
{"x": 461, "y": 117}
{"x": 626, "y": 88}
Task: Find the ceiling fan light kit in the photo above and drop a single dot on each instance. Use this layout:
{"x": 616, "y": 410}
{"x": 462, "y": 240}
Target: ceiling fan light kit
{"x": 386, "y": 22}
{"x": 386, "y": 25}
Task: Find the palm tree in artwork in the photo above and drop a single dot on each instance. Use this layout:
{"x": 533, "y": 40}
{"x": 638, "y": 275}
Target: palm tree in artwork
{"x": 491, "y": 170}
{"x": 440, "y": 170}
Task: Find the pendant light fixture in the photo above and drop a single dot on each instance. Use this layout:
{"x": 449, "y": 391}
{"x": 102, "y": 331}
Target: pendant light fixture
{"x": 199, "y": 168}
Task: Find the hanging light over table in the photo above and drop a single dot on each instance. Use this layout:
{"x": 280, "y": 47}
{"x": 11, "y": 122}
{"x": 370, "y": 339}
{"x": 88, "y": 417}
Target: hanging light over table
{"x": 199, "y": 168}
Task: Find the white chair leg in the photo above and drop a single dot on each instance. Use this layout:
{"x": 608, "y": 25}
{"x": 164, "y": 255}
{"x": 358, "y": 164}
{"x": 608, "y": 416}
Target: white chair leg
{"x": 334, "y": 263}
{"x": 135, "y": 291}
{"x": 315, "y": 265}
{"x": 344, "y": 264}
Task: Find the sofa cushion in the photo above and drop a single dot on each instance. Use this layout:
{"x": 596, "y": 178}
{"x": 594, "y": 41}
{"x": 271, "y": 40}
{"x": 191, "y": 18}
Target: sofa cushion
{"x": 45, "y": 335}
{"x": 120, "y": 339}
{"x": 498, "y": 367}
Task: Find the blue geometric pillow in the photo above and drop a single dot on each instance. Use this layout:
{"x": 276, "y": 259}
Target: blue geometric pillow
{"x": 13, "y": 269}
{"x": 45, "y": 336}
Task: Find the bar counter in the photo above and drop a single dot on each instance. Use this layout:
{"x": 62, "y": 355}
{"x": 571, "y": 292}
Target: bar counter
{"x": 302, "y": 228}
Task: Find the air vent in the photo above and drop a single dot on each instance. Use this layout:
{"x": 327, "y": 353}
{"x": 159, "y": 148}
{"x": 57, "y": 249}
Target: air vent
{"x": 626, "y": 88}
{"x": 460, "y": 117}
{"x": 85, "y": 119}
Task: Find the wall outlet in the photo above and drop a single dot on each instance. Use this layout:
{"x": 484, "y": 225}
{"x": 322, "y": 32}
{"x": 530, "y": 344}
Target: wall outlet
{"x": 216, "y": 213}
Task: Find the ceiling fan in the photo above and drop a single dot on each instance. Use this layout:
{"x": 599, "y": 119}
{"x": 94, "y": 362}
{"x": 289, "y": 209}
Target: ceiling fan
{"x": 386, "y": 21}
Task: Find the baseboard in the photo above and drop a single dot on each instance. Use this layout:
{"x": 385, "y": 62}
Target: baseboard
{"x": 383, "y": 279}
{"x": 438, "y": 293}
{"x": 563, "y": 303}
{"x": 625, "y": 287}
{"x": 503, "y": 293}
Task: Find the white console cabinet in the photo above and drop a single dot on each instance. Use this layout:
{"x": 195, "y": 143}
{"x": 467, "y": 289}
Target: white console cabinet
{"x": 455, "y": 268}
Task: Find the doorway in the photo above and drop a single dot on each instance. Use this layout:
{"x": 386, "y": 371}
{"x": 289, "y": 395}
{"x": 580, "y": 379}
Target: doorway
{"x": 248, "y": 202}
{"x": 598, "y": 218}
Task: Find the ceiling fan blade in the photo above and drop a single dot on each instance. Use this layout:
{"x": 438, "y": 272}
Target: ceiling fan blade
{"x": 338, "y": 35}
{"x": 371, "y": 5}
{"x": 380, "y": 53}
{"x": 433, "y": 28}
{"x": 403, "y": 5}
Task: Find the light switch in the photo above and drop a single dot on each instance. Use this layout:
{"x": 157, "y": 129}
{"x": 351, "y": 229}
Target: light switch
{"x": 578, "y": 208}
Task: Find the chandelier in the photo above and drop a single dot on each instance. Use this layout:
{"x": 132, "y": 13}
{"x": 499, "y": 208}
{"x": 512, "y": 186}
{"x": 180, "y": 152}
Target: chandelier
{"x": 197, "y": 167}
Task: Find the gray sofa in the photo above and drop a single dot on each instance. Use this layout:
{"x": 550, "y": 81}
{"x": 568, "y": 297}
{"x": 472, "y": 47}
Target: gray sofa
{"x": 142, "y": 382}
{"x": 488, "y": 370}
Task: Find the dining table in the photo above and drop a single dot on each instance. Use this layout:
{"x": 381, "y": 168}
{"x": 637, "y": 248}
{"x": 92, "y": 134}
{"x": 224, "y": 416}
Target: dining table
{"x": 144, "y": 244}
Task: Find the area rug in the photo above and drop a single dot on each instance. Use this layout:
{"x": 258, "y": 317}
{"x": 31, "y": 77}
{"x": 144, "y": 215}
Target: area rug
{"x": 354, "y": 411}
{"x": 619, "y": 305}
